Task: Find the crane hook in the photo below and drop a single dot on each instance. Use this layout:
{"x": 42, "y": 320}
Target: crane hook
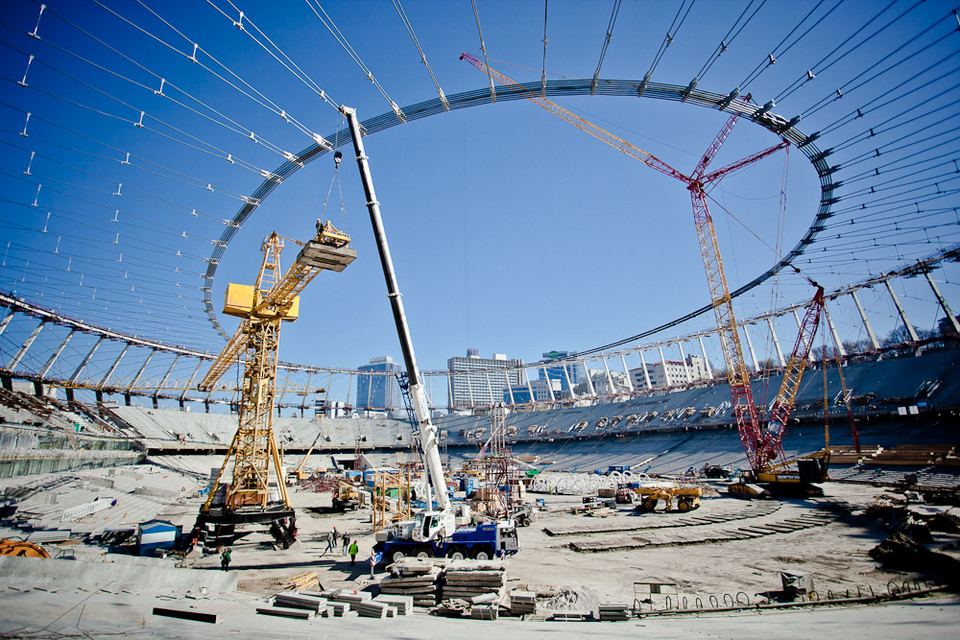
{"x": 337, "y": 157}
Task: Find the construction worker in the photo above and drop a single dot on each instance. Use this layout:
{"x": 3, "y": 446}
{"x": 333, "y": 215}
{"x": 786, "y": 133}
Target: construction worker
{"x": 353, "y": 552}
{"x": 225, "y": 558}
{"x": 346, "y": 541}
{"x": 330, "y": 539}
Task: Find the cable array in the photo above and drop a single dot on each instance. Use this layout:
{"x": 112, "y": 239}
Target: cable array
{"x": 133, "y": 155}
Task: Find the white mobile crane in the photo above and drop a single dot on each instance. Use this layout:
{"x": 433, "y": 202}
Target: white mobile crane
{"x": 433, "y": 532}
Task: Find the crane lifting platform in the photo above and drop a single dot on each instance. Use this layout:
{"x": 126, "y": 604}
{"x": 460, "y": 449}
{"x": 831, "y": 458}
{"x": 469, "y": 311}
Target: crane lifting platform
{"x": 250, "y": 497}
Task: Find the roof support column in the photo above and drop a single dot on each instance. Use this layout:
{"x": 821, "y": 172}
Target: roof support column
{"x": 753, "y": 354}
{"x": 626, "y": 372}
{"x": 566, "y": 375}
{"x": 903, "y": 314}
{"x": 113, "y": 367}
{"x": 866, "y": 323}
{"x": 942, "y": 301}
{"x": 663, "y": 364}
{"x": 590, "y": 387}
{"x": 776, "y": 343}
{"x": 6, "y": 320}
{"x": 646, "y": 374}
{"x": 833, "y": 330}
{"x": 186, "y": 388}
{"x": 83, "y": 363}
{"x": 25, "y": 346}
{"x": 610, "y": 386}
{"x": 683, "y": 363}
{"x": 526, "y": 374}
{"x": 546, "y": 377}
{"x": 143, "y": 368}
{"x": 706, "y": 360}
{"x": 164, "y": 381}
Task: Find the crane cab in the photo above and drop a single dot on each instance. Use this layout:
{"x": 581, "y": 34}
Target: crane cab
{"x": 430, "y": 525}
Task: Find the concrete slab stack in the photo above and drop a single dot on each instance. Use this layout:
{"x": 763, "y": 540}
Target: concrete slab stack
{"x": 467, "y": 583}
{"x": 523, "y": 602}
{"x": 417, "y": 580}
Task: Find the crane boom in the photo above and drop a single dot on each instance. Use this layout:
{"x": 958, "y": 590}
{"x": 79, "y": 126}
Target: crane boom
{"x": 614, "y": 141}
{"x": 228, "y": 356}
{"x": 762, "y": 445}
{"x": 275, "y": 302}
{"x": 771, "y": 442}
{"x": 428, "y": 432}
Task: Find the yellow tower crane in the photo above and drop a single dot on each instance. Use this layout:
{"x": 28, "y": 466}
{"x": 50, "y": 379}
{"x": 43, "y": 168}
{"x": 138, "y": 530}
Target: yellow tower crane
{"x": 274, "y": 298}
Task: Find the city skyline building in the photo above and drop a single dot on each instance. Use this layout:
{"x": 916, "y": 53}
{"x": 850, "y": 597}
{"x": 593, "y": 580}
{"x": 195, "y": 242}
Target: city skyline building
{"x": 478, "y": 382}
{"x": 570, "y": 374}
{"x": 669, "y": 373}
{"x": 378, "y": 390}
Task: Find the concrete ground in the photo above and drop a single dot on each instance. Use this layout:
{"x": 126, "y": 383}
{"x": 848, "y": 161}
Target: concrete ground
{"x": 726, "y": 549}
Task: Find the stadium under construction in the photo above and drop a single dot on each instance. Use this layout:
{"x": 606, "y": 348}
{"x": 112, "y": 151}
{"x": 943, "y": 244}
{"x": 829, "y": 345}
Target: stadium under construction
{"x": 776, "y": 452}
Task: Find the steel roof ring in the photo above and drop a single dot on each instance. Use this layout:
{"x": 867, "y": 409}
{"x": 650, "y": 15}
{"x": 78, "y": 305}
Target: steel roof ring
{"x": 564, "y": 87}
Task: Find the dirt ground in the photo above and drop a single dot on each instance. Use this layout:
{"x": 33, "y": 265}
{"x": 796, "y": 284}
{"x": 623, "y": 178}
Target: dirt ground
{"x": 657, "y": 547}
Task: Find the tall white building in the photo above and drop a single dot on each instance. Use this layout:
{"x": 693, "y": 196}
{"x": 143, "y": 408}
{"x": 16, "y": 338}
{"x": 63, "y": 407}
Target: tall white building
{"x": 479, "y": 382}
{"x": 671, "y": 372}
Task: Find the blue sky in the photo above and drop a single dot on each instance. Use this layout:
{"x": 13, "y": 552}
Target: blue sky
{"x": 511, "y": 230}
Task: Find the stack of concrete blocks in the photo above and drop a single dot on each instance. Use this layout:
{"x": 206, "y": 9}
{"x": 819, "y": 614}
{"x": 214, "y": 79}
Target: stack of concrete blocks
{"x": 413, "y": 578}
{"x": 403, "y": 604}
{"x": 340, "y": 601}
{"x": 614, "y": 612}
{"x": 468, "y": 579}
{"x": 484, "y": 612}
{"x": 523, "y": 602}
{"x": 371, "y": 609}
{"x": 297, "y": 605}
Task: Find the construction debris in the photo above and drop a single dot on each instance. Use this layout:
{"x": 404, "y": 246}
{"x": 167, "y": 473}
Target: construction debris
{"x": 305, "y": 580}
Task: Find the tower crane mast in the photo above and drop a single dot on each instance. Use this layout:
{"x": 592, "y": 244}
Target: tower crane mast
{"x": 262, "y": 308}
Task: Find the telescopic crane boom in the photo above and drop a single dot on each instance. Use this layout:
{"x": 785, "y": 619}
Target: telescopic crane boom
{"x": 443, "y": 522}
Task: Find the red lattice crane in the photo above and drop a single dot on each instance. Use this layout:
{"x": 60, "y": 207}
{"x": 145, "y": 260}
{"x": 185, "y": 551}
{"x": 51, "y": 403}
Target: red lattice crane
{"x": 761, "y": 444}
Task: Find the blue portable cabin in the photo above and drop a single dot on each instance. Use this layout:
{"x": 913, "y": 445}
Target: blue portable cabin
{"x": 157, "y": 534}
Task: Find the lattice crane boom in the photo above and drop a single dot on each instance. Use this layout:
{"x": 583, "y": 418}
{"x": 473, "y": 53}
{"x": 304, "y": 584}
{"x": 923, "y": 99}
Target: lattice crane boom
{"x": 614, "y": 141}
{"x": 756, "y": 442}
{"x": 277, "y": 301}
{"x": 262, "y": 308}
{"x": 770, "y": 446}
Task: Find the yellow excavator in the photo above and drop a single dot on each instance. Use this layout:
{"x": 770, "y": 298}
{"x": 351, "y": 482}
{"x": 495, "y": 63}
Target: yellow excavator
{"x": 22, "y": 548}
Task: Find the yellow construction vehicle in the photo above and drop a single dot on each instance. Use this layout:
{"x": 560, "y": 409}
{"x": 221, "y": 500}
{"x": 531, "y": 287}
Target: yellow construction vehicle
{"x": 22, "y": 548}
{"x": 649, "y": 495}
